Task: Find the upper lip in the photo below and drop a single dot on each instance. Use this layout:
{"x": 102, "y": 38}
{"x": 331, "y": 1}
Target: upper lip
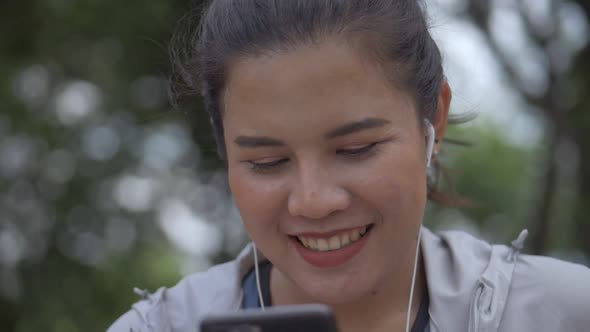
{"x": 329, "y": 233}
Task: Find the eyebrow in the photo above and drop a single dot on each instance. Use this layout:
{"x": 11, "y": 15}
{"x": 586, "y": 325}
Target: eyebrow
{"x": 257, "y": 141}
{"x": 350, "y": 128}
{"x": 347, "y": 129}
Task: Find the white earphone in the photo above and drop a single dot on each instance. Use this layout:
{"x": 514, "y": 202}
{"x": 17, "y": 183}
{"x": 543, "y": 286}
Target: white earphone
{"x": 431, "y": 137}
{"x": 257, "y": 273}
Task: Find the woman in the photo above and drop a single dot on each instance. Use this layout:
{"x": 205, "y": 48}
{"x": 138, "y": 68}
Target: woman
{"x": 329, "y": 114}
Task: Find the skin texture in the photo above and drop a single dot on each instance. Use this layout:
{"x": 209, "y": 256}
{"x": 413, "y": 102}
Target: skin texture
{"x": 314, "y": 183}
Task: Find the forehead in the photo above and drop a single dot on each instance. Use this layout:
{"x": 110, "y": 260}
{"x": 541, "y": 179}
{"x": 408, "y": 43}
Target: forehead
{"x": 329, "y": 81}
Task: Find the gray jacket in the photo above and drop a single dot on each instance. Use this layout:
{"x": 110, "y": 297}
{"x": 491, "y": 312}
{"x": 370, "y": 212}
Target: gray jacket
{"x": 473, "y": 286}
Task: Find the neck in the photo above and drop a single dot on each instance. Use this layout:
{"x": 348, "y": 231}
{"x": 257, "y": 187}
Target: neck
{"x": 384, "y": 309}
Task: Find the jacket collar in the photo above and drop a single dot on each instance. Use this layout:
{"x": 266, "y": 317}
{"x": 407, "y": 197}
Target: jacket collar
{"x": 467, "y": 279}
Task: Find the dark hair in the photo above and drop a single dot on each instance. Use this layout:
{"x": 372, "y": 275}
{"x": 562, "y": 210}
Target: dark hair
{"x": 394, "y": 32}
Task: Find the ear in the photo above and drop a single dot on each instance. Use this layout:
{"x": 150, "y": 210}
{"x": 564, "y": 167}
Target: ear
{"x": 441, "y": 117}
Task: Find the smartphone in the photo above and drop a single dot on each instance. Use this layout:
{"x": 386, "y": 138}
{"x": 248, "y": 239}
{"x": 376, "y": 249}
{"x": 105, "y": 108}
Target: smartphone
{"x": 291, "y": 318}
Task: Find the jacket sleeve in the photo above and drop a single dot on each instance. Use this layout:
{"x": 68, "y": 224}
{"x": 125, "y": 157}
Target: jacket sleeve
{"x": 130, "y": 322}
{"x": 572, "y": 294}
{"x": 147, "y": 315}
{"x": 181, "y": 307}
{"x": 548, "y": 295}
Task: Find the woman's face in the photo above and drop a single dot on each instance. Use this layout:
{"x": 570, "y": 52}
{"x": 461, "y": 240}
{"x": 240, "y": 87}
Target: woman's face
{"x": 326, "y": 162}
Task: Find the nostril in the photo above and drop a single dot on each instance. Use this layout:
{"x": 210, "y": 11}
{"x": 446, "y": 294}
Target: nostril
{"x": 316, "y": 197}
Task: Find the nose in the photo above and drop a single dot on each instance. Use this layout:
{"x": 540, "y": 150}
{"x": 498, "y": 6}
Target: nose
{"x": 316, "y": 194}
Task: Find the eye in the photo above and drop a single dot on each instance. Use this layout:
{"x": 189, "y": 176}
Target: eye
{"x": 362, "y": 151}
{"x": 266, "y": 167}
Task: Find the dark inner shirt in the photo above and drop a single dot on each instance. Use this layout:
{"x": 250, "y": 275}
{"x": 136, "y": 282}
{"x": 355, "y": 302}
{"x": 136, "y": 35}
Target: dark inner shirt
{"x": 251, "y": 296}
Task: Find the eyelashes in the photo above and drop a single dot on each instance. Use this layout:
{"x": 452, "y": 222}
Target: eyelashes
{"x": 265, "y": 167}
{"x": 360, "y": 153}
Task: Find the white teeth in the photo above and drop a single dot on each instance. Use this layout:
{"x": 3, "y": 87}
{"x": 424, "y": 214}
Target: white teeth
{"x": 345, "y": 239}
{"x": 304, "y": 241}
{"x": 363, "y": 230}
{"x": 323, "y": 245}
{"x": 333, "y": 243}
{"x": 312, "y": 244}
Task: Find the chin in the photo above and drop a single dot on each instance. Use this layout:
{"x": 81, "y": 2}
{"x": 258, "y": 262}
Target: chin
{"x": 339, "y": 295}
{"x": 335, "y": 288}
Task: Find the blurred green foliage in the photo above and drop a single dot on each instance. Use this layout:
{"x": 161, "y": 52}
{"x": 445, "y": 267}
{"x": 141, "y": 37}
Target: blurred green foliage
{"x": 103, "y": 187}
{"x": 105, "y": 61}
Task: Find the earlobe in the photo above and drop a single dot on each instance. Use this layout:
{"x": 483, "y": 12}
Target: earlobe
{"x": 441, "y": 116}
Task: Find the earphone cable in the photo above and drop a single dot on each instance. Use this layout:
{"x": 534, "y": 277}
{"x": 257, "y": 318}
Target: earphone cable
{"x": 257, "y": 273}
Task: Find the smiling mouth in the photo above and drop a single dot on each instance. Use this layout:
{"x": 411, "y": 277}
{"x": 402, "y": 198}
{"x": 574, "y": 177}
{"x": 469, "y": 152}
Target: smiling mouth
{"x": 335, "y": 242}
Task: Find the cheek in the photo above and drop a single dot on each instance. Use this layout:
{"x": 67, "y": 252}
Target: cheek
{"x": 398, "y": 186}
{"x": 258, "y": 200}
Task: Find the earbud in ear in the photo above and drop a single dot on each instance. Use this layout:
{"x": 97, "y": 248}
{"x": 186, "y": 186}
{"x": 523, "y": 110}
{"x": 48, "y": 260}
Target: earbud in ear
{"x": 430, "y": 136}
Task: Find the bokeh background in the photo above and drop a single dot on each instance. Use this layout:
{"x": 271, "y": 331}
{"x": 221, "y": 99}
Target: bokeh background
{"x": 105, "y": 187}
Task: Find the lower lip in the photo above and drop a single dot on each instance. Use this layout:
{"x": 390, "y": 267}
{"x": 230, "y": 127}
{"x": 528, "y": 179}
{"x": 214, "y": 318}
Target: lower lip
{"x": 333, "y": 258}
